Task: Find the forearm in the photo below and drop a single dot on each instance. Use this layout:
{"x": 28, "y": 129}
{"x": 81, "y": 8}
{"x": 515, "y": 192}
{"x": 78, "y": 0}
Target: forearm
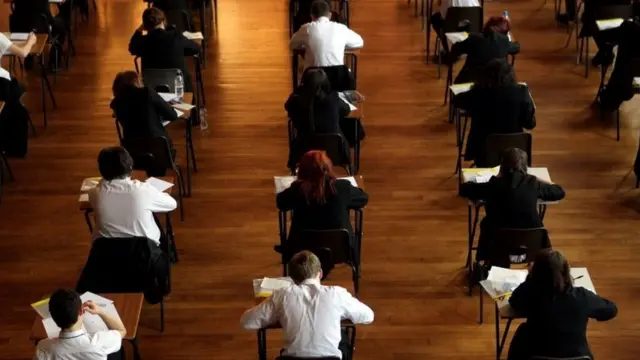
{"x": 114, "y": 323}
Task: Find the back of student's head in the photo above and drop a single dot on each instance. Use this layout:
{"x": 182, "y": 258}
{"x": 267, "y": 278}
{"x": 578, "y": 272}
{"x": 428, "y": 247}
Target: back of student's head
{"x": 314, "y": 171}
{"x": 514, "y": 160}
{"x": 495, "y": 74}
{"x": 304, "y": 265}
{"x": 315, "y": 82}
{"x": 124, "y": 80}
{"x": 320, "y": 8}
{"x": 152, "y": 17}
{"x": 65, "y": 307}
{"x": 497, "y": 24}
{"x": 115, "y": 163}
{"x": 551, "y": 274}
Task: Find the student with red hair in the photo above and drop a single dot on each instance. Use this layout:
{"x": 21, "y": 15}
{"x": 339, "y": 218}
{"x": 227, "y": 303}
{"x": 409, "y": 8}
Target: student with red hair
{"x": 494, "y": 43}
{"x": 318, "y": 199}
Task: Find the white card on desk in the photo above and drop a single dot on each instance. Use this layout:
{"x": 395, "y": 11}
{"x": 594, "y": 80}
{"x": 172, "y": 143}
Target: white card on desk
{"x": 168, "y": 96}
{"x": 609, "y": 24}
{"x": 284, "y": 182}
{"x": 19, "y": 36}
{"x": 178, "y": 112}
{"x": 159, "y": 183}
{"x": 193, "y": 35}
{"x": 89, "y": 183}
{"x": 183, "y": 106}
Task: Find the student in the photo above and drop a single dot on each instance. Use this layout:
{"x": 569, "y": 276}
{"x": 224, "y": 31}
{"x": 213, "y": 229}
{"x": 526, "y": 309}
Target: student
{"x": 557, "y": 312}
{"x": 309, "y": 313}
{"x": 437, "y": 19}
{"x": 497, "y": 104}
{"x": 304, "y": 14}
{"x": 139, "y": 109}
{"x": 324, "y": 41}
{"x": 74, "y": 343}
{"x": 125, "y": 207}
{"x": 494, "y": 43}
{"x": 162, "y": 48}
{"x": 314, "y": 109}
{"x": 511, "y": 199}
{"x": 14, "y": 118}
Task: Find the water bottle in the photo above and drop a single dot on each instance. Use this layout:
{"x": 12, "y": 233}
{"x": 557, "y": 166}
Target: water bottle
{"x": 179, "y": 85}
{"x": 204, "y": 125}
{"x": 506, "y": 16}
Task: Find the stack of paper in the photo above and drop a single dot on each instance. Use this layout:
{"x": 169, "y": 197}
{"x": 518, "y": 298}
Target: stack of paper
{"x": 266, "y": 286}
{"x": 480, "y": 175}
{"x": 168, "y": 96}
{"x": 183, "y": 106}
{"x": 19, "y": 36}
{"x": 193, "y": 35}
{"x": 91, "y": 323}
{"x": 501, "y": 282}
{"x": 159, "y": 184}
{"x": 284, "y": 182}
{"x": 89, "y": 183}
{"x": 460, "y": 88}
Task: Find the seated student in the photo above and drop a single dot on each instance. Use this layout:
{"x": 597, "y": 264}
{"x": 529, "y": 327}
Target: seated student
{"x": 14, "y": 118}
{"x": 309, "y": 313}
{"x": 304, "y": 14}
{"x": 139, "y": 109}
{"x": 482, "y": 48}
{"x": 324, "y": 41}
{"x": 162, "y": 48}
{"x": 320, "y": 201}
{"x": 67, "y": 311}
{"x": 620, "y": 85}
{"x": 511, "y": 199}
{"x": 557, "y": 312}
{"x": 437, "y": 19}
{"x": 125, "y": 207}
{"x": 497, "y": 105}
{"x": 314, "y": 109}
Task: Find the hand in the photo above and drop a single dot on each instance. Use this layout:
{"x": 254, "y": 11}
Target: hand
{"x": 358, "y": 97}
{"x": 31, "y": 39}
{"x": 92, "y": 308}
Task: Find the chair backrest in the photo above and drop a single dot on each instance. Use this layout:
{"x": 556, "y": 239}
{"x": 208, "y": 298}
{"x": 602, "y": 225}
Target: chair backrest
{"x": 496, "y": 144}
{"x": 520, "y": 244}
{"x": 179, "y": 19}
{"x": 340, "y": 77}
{"x": 29, "y": 22}
{"x": 152, "y": 154}
{"x": 333, "y": 144}
{"x": 157, "y": 78}
{"x": 605, "y": 12}
{"x": 474, "y": 15}
{"x": 331, "y": 246}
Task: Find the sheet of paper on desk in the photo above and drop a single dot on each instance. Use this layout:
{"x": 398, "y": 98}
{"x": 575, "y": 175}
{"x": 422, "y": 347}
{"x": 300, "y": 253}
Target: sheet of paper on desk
{"x": 456, "y": 37}
{"x": 183, "y": 106}
{"x": 284, "y": 182}
{"x": 460, "y": 88}
{"x": 42, "y": 308}
{"x": 178, "y": 112}
{"x": 168, "y": 96}
{"x": 636, "y": 81}
{"x": 83, "y": 198}
{"x": 501, "y": 281}
{"x": 95, "y": 298}
{"x": 18, "y": 36}
{"x": 166, "y": 122}
{"x": 343, "y": 97}
{"x": 193, "y": 35}
{"x": 271, "y": 284}
{"x": 50, "y": 328}
{"x": 159, "y": 183}
{"x": 89, "y": 183}
{"x": 94, "y": 323}
{"x": 609, "y": 24}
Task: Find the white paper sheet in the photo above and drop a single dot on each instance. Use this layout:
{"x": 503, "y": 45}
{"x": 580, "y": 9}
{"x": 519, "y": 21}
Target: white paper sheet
{"x": 83, "y": 198}
{"x": 456, "y": 37}
{"x": 257, "y": 290}
{"x": 284, "y": 182}
{"x": 89, "y": 183}
{"x": 18, "y": 36}
{"x": 159, "y": 183}
{"x": 50, "y": 328}
{"x": 609, "y": 24}
{"x": 271, "y": 284}
{"x": 501, "y": 281}
{"x": 481, "y": 175}
{"x": 178, "y": 112}
{"x": 95, "y": 298}
{"x": 42, "y": 308}
{"x": 168, "y": 96}
{"x": 183, "y": 106}
{"x": 460, "y": 88}
{"x": 165, "y": 123}
{"x": 636, "y": 81}
{"x": 343, "y": 97}
{"x": 193, "y": 35}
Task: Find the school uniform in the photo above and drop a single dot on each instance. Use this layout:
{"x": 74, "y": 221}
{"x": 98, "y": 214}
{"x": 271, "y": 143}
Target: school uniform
{"x": 14, "y": 118}
{"x": 79, "y": 345}
{"x": 480, "y": 50}
{"x": 438, "y": 18}
{"x": 620, "y": 87}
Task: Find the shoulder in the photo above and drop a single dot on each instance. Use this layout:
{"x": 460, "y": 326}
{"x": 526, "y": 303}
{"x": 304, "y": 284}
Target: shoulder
{"x": 342, "y": 184}
{"x": 45, "y": 346}
{"x": 104, "y": 338}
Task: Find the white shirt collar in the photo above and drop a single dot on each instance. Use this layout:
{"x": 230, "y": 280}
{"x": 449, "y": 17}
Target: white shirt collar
{"x": 311, "y": 282}
{"x": 71, "y": 334}
{"x": 323, "y": 19}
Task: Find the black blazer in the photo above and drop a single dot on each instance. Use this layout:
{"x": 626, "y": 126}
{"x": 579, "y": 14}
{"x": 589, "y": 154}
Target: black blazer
{"x": 503, "y": 110}
{"x": 559, "y": 328}
{"x": 30, "y": 8}
{"x": 512, "y": 200}
{"x": 164, "y": 49}
{"x": 326, "y": 114}
{"x": 621, "y": 80}
{"x": 589, "y": 15}
{"x": 481, "y": 49}
{"x": 334, "y": 214}
{"x": 141, "y": 111}
{"x": 171, "y": 5}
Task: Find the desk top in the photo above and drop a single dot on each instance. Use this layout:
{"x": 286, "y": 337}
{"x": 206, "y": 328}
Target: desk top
{"x": 128, "y": 306}
{"x": 284, "y": 182}
{"x": 135, "y": 175}
{"x": 469, "y": 174}
{"x": 38, "y": 47}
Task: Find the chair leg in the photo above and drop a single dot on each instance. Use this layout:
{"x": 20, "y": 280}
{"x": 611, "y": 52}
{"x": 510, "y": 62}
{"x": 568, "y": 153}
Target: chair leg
{"x": 181, "y": 190}
{"x": 481, "y": 302}
{"x": 438, "y": 54}
{"x": 162, "y": 315}
{"x": 5, "y": 161}
{"x": 586, "y": 59}
{"x": 618, "y": 125}
{"x": 356, "y": 280}
{"x": 637, "y": 182}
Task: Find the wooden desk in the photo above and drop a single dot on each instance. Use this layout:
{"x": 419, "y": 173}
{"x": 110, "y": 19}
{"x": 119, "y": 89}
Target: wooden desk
{"x": 38, "y": 47}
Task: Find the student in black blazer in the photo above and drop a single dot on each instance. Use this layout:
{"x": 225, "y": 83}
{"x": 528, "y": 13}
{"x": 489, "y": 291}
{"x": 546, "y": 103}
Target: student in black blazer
{"x": 320, "y": 201}
{"x": 482, "y": 48}
{"x": 497, "y": 105}
{"x": 314, "y": 109}
{"x": 511, "y": 199}
{"x": 162, "y": 48}
{"x": 139, "y": 109}
{"x": 557, "y": 312}
{"x": 620, "y": 86}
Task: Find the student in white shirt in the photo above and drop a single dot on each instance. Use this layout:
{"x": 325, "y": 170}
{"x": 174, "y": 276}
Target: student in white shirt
{"x": 73, "y": 342}
{"x": 125, "y": 207}
{"x": 309, "y": 312}
{"x": 437, "y": 19}
{"x": 21, "y": 51}
{"x": 324, "y": 41}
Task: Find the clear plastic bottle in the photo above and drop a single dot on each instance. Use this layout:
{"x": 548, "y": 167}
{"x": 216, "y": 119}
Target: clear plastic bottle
{"x": 179, "y": 85}
{"x": 204, "y": 125}
{"x": 506, "y": 16}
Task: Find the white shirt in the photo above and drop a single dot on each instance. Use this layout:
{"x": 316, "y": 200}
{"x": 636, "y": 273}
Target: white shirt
{"x": 310, "y": 316}
{"x": 5, "y": 44}
{"x": 324, "y": 42}
{"x": 446, "y": 4}
{"x": 125, "y": 207}
{"x": 78, "y": 345}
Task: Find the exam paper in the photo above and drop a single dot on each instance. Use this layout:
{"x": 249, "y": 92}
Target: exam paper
{"x": 168, "y": 96}
{"x": 193, "y": 35}
{"x": 284, "y": 182}
{"x": 609, "y": 24}
{"x": 501, "y": 281}
{"x": 343, "y": 97}
{"x": 89, "y": 183}
{"x": 178, "y": 112}
{"x": 159, "y": 183}
{"x": 456, "y": 37}
{"x": 18, "y": 36}
{"x": 271, "y": 284}
{"x": 183, "y": 106}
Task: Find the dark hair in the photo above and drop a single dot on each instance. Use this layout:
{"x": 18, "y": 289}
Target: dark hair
{"x": 315, "y": 87}
{"x": 314, "y": 171}
{"x": 550, "y": 274}
{"x": 496, "y": 73}
{"x": 114, "y": 163}
{"x": 320, "y": 8}
{"x": 304, "y": 265}
{"x": 125, "y": 79}
{"x": 513, "y": 160}
{"x": 152, "y": 17}
{"x": 64, "y": 307}
{"x": 497, "y": 24}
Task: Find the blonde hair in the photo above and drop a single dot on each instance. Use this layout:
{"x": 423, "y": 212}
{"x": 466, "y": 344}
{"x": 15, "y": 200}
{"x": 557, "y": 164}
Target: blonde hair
{"x": 304, "y": 265}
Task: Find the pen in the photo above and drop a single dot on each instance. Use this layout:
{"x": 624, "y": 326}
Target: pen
{"x": 578, "y": 277}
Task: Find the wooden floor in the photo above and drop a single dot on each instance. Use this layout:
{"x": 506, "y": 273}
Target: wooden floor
{"x": 415, "y": 226}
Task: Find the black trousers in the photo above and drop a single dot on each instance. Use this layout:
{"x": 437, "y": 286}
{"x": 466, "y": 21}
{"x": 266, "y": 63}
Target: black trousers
{"x": 344, "y": 346}
{"x": 118, "y": 355}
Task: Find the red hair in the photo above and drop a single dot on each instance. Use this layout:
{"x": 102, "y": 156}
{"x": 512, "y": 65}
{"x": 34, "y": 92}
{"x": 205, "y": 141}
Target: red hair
{"x": 314, "y": 170}
{"x": 499, "y": 24}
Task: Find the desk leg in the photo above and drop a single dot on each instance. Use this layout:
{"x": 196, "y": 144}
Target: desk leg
{"x": 45, "y": 83}
{"x": 87, "y": 218}
{"x": 171, "y": 240}
{"x": 504, "y": 337}
{"x": 282, "y": 229}
{"x": 497, "y": 316}
{"x": 136, "y": 351}
{"x": 472, "y": 225}
{"x": 356, "y": 148}
{"x": 262, "y": 344}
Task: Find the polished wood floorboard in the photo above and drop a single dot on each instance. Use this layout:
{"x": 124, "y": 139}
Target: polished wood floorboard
{"x": 415, "y": 226}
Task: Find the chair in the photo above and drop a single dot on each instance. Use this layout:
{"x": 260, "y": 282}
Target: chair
{"x": 128, "y": 265}
{"x": 511, "y": 247}
{"x": 333, "y": 247}
{"x": 496, "y": 144}
{"x": 4, "y": 164}
{"x": 155, "y": 78}
{"x": 155, "y": 156}
{"x": 635, "y": 72}
{"x": 557, "y": 358}
{"x": 455, "y": 15}
{"x": 334, "y": 145}
{"x": 340, "y": 77}
{"x": 179, "y": 19}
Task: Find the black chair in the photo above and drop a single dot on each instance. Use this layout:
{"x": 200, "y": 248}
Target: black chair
{"x": 512, "y": 247}
{"x": 340, "y": 77}
{"x": 332, "y": 247}
{"x": 562, "y": 358}
{"x": 128, "y": 265}
{"x": 155, "y": 156}
{"x": 334, "y": 145}
{"x": 635, "y": 72}
{"x": 4, "y": 164}
{"x": 179, "y": 19}
{"x": 496, "y": 144}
